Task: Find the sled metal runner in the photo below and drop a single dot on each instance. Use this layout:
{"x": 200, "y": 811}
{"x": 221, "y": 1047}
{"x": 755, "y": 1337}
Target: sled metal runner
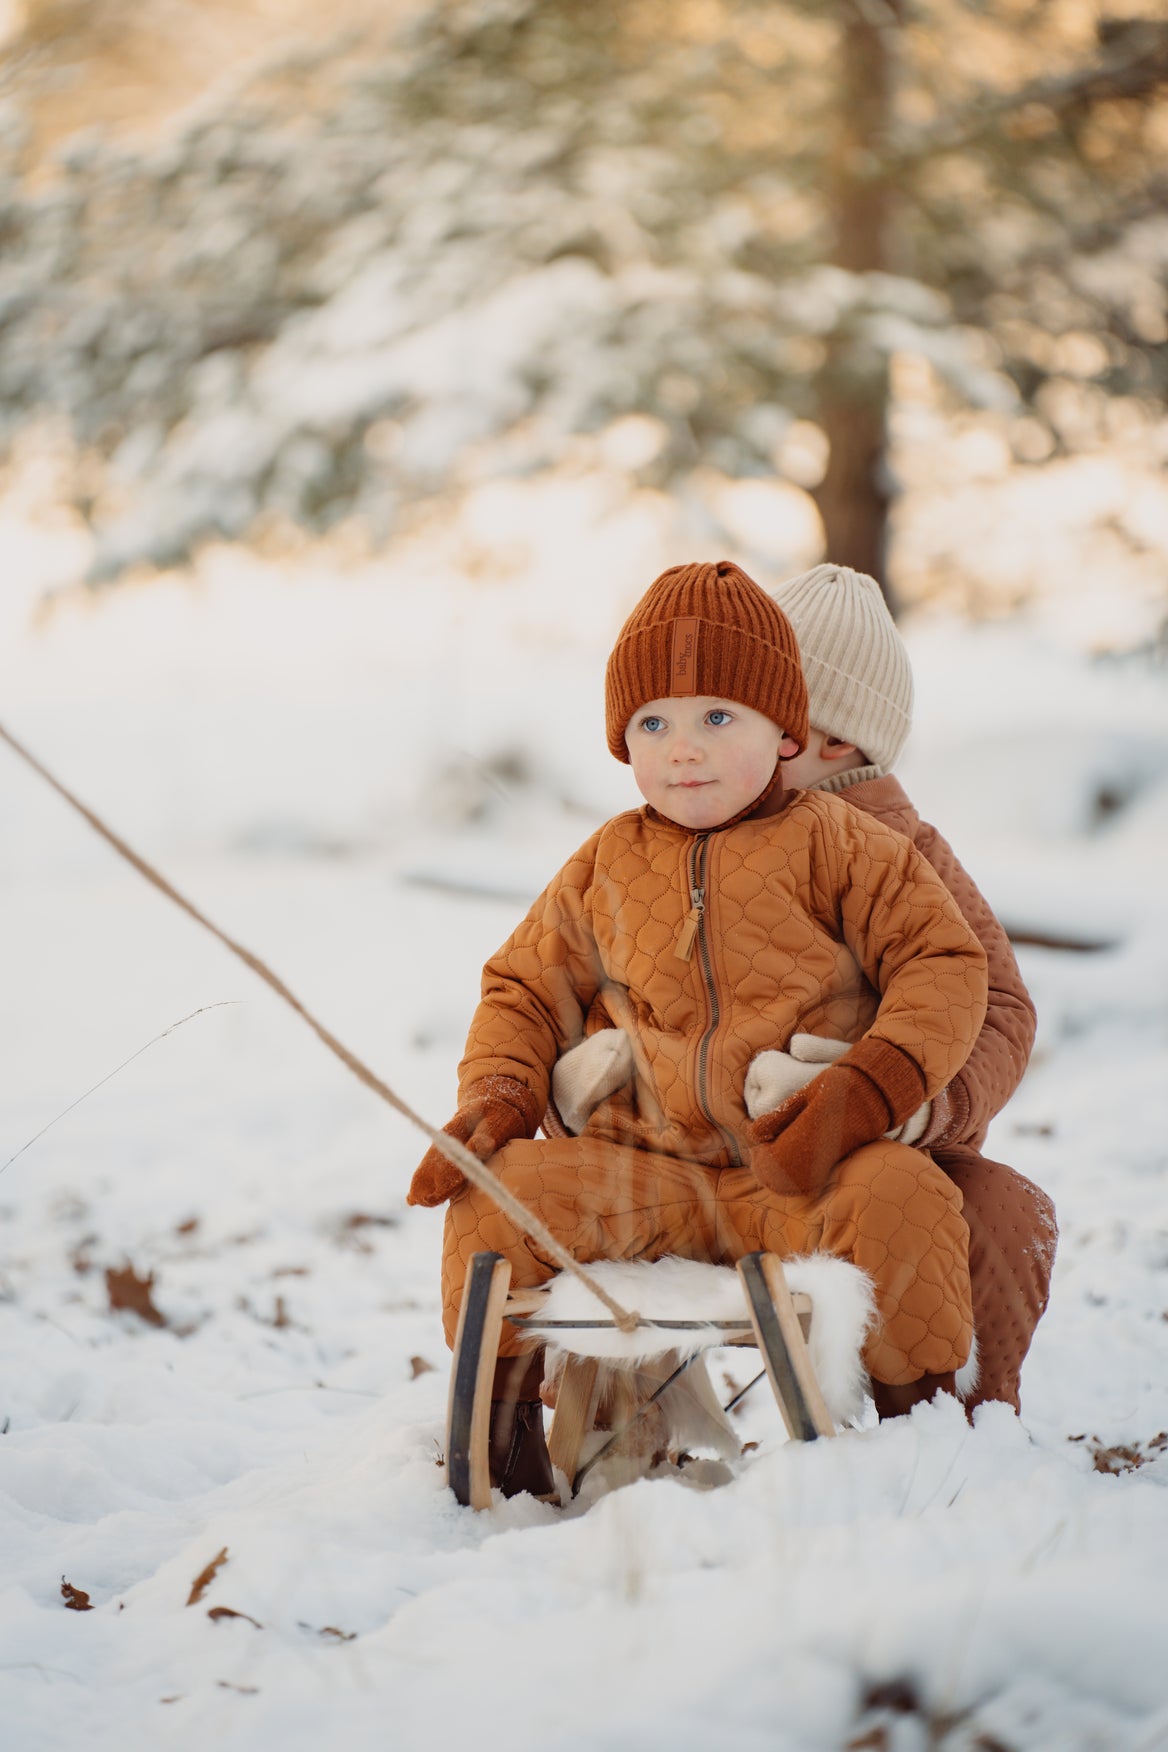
{"x": 777, "y": 1323}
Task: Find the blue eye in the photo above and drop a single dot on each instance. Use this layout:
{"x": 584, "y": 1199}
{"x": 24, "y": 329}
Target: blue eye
{"x": 651, "y": 723}
{"x": 718, "y": 716}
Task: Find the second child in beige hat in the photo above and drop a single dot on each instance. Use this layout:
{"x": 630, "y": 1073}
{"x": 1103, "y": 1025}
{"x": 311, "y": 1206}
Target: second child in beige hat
{"x": 860, "y": 699}
{"x": 859, "y": 678}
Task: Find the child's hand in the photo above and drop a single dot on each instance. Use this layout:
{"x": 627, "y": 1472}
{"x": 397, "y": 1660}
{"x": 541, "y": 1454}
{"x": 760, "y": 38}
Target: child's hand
{"x": 499, "y": 1109}
{"x": 774, "y": 1076}
{"x": 852, "y": 1103}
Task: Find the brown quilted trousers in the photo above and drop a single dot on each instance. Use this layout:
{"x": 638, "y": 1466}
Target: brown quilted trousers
{"x": 887, "y": 1208}
{"x": 1012, "y": 1240}
{"x": 1012, "y": 1228}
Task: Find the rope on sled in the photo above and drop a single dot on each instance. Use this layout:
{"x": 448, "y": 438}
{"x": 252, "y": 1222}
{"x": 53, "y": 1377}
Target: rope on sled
{"x": 477, "y": 1172}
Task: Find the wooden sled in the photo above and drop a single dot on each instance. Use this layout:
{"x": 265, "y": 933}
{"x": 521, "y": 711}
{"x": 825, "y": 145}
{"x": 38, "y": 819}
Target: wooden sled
{"x": 774, "y": 1320}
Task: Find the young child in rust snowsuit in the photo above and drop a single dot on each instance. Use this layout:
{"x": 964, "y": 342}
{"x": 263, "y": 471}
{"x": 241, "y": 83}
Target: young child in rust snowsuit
{"x": 711, "y": 925}
{"x": 860, "y": 694}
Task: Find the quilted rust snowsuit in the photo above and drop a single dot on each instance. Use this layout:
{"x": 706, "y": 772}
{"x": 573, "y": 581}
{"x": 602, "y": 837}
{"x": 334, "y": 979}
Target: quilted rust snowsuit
{"x": 814, "y": 918}
{"x": 1012, "y": 1228}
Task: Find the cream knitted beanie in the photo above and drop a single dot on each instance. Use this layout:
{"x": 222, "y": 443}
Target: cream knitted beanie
{"x": 859, "y": 679}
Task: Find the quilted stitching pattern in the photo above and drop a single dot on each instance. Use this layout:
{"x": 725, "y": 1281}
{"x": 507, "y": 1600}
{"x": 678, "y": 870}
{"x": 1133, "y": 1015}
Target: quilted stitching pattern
{"x": 1000, "y": 1054}
{"x": 816, "y": 920}
{"x": 887, "y": 1208}
{"x": 1012, "y": 1241}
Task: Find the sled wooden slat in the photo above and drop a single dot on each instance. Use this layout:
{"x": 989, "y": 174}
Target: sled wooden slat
{"x": 575, "y": 1409}
{"x": 476, "y": 1350}
{"x": 779, "y": 1334}
{"x": 795, "y": 1332}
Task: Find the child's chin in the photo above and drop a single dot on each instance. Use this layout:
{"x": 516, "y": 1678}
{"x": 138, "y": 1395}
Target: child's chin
{"x": 697, "y": 815}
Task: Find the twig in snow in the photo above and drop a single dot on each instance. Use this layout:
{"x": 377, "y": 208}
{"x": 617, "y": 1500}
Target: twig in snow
{"x": 221, "y": 1004}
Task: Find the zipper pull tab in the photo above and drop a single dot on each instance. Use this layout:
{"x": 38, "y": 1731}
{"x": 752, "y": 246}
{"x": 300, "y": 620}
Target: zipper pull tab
{"x": 690, "y": 924}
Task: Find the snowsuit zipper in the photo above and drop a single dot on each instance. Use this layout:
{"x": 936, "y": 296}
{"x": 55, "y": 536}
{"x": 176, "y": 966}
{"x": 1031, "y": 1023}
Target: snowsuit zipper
{"x": 694, "y": 930}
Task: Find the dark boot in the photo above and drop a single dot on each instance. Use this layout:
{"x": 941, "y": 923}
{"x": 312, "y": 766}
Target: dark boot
{"x": 899, "y": 1401}
{"x": 518, "y": 1455}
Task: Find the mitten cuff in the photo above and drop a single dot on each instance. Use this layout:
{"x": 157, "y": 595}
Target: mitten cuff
{"x": 511, "y": 1092}
{"x": 898, "y": 1077}
{"x": 551, "y": 1124}
{"x": 949, "y": 1120}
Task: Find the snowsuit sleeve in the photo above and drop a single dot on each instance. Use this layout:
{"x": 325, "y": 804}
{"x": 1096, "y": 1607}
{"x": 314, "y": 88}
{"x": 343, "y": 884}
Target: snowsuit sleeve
{"x": 909, "y": 936}
{"x": 537, "y": 988}
{"x": 1001, "y": 1052}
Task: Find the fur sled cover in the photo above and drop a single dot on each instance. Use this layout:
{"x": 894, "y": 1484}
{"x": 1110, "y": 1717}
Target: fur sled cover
{"x": 685, "y": 1289}
{"x": 969, "y": 1374}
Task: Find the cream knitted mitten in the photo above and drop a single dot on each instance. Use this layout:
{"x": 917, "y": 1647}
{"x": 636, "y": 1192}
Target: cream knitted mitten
{"x": 589, "y": 1074}
{"x": 774, "y": 1076}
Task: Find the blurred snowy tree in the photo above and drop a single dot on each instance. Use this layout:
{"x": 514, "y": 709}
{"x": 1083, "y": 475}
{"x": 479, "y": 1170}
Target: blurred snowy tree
{"x": 1011, "y": 156}
{"x": 370, "y": 275}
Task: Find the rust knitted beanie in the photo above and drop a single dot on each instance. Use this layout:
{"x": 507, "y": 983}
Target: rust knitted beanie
{"x": 859, "y": 678}
{"x": 705, "y": 629}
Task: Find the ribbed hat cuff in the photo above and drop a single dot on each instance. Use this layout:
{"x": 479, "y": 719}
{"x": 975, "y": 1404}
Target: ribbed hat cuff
{"x": 746, "y": 669}
{"x": 848, "y": 708}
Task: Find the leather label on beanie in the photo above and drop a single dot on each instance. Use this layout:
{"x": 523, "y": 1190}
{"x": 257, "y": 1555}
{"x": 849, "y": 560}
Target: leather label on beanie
{"x": 684, "y": 667}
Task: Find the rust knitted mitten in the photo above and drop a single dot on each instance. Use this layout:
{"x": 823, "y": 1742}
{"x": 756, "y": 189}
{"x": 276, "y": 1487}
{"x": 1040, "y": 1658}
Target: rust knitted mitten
{"x": 853, "y": 1102}
{"x": 496, "y": 1110}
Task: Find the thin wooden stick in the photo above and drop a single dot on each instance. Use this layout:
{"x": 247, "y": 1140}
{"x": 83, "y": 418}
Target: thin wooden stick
{"x": 476, "y": 1172}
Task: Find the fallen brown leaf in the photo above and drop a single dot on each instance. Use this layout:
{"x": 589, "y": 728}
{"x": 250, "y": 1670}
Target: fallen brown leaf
{"x": 875, "y": 1740}
{"x": 1123, "y": 1456}
{"x": 329, "y": 1630}
{"x": 126, "y": 1290}
{"x": 205, "y": 1577}
{"x": 419, "y": 1366}
{"x": 215, "y": 1613}
{"x": 76, "y": 1599}
{"x": 352, "y": 1230}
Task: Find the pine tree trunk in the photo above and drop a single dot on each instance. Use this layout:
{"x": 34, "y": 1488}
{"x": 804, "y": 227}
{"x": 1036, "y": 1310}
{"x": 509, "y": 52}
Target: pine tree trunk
{"x": 853, "y": 386}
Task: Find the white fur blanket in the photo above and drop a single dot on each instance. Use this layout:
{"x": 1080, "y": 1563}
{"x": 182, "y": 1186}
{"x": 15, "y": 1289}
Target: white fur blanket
{"x": 684, "y": 1289}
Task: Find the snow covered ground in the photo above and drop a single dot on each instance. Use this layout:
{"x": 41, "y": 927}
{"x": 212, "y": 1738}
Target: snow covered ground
{"x": 364, "y": 780}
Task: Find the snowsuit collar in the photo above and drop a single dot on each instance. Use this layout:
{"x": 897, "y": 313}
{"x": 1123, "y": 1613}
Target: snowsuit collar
{"x": 769, "y": 806}
{"x": 879, "y": 794}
